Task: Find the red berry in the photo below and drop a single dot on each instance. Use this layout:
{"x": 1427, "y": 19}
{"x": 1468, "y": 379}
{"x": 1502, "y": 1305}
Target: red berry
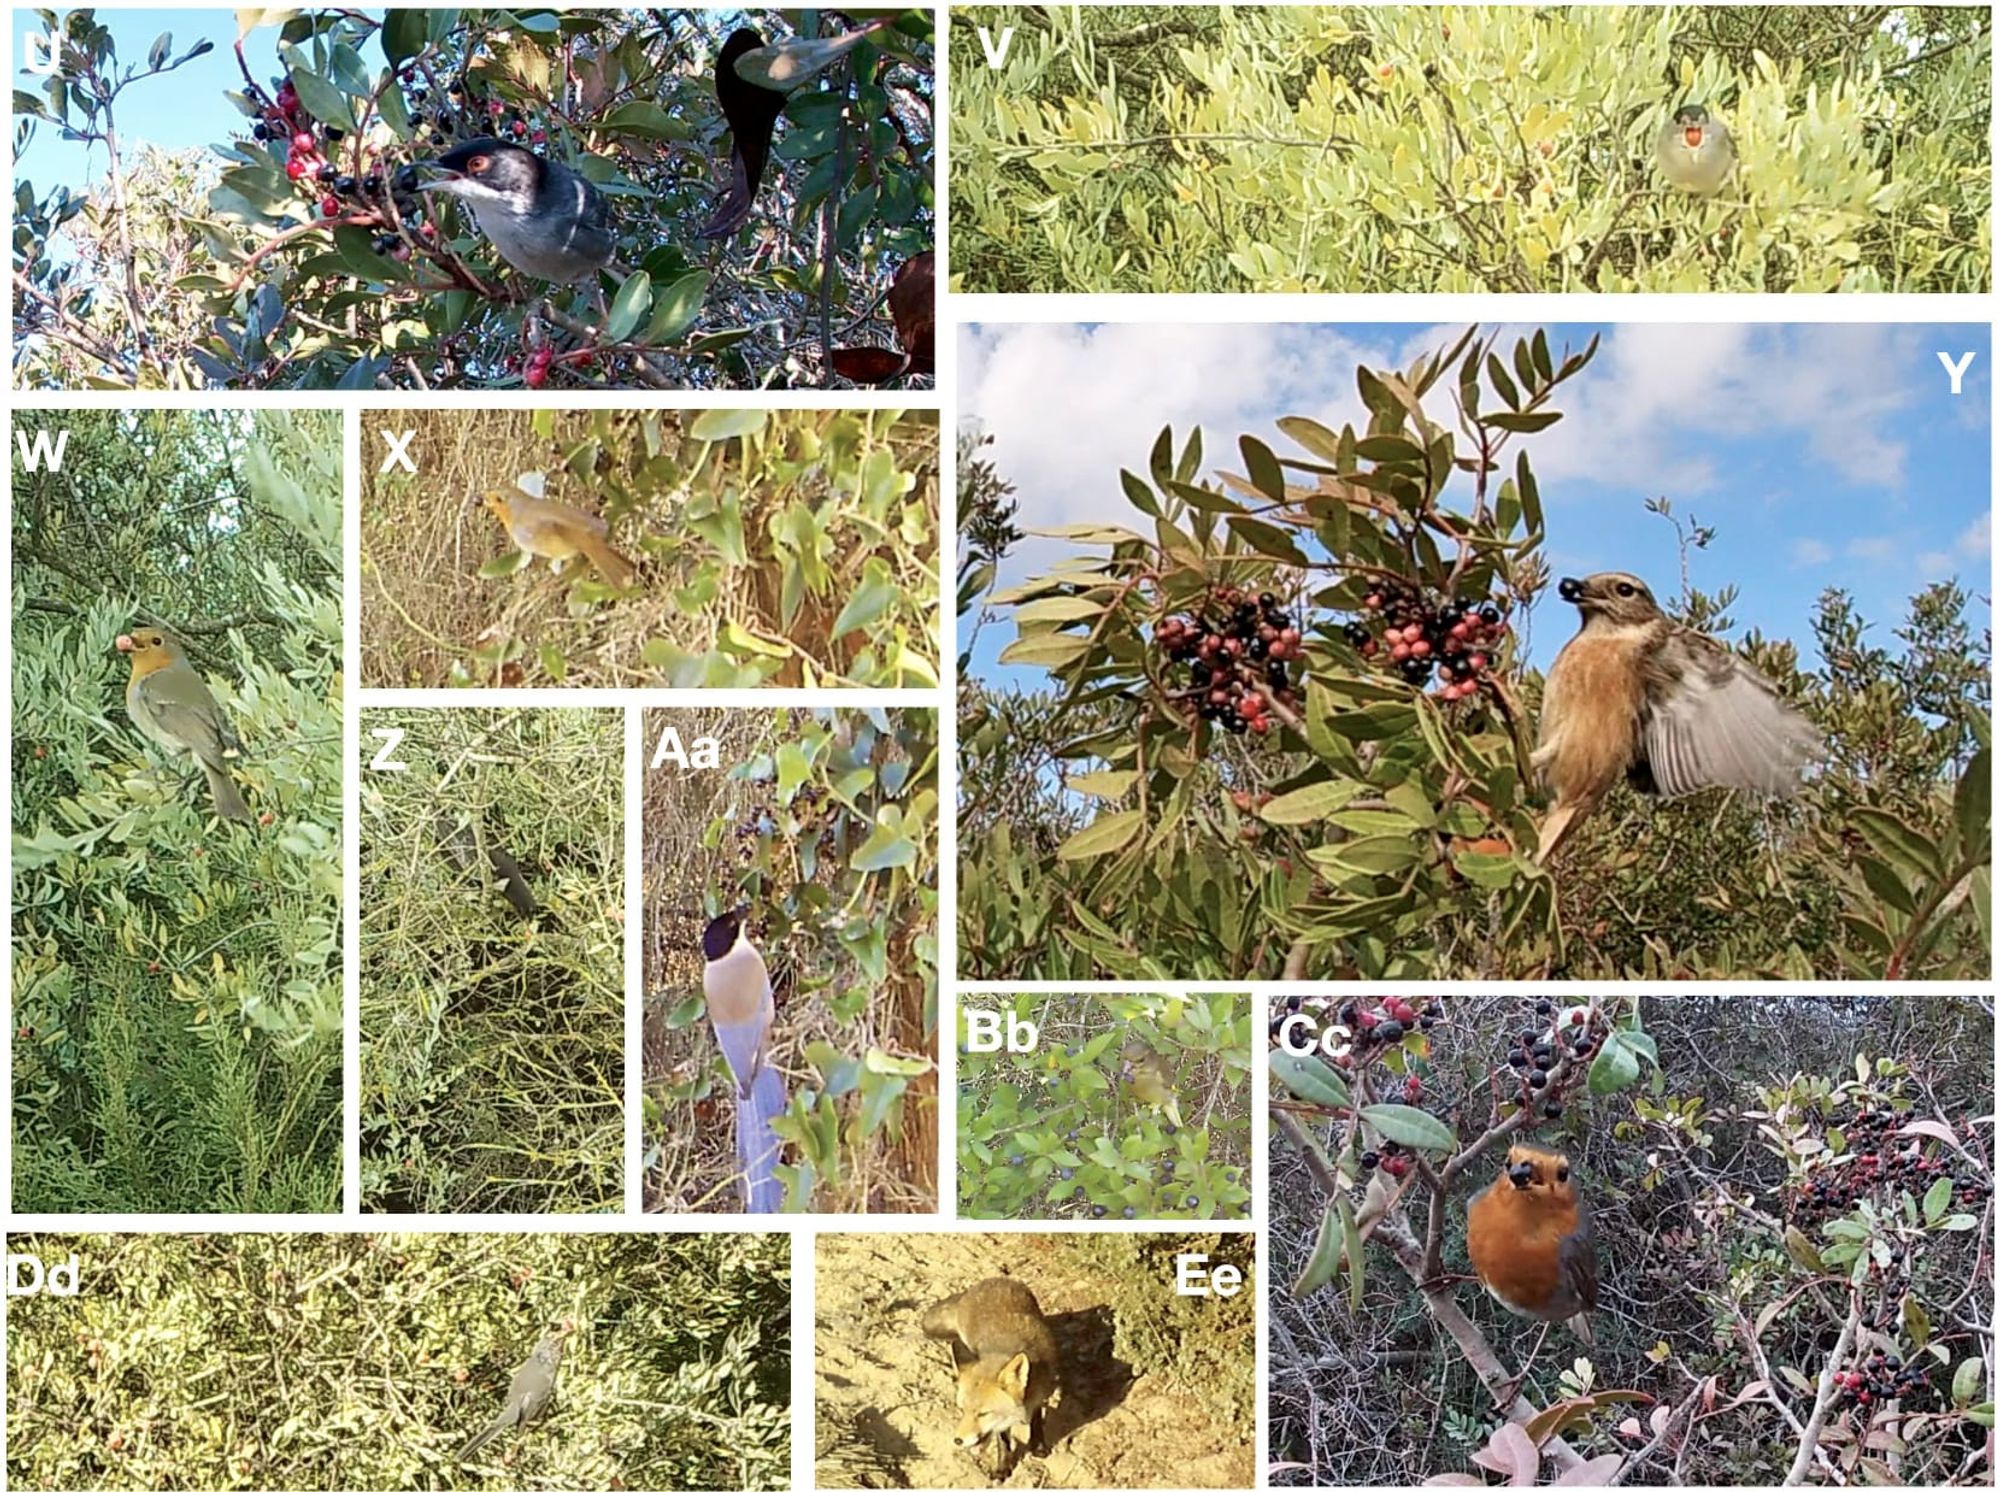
{"x": 1399, "y": 652}
{"x": 1261, "y": 725}
{"x": 535, "y": 375}
{"x": 303, "y": 140}
{"x": 329, "y": 206}
{"x": 540, "y": 137}
{"x": 1420, "y": 649}
{"x": 295, "y": 168}
{"x": 1477, "y": 662}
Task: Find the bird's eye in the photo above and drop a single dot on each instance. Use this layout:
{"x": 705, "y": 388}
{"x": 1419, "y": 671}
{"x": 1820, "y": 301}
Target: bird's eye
{"x": 1626, "y": 590}
{"x": 1562, "y": 1173}
{"x": 478, "y": 165}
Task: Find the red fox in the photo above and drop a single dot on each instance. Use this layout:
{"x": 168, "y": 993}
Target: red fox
{"x": 1008, "y": 1369}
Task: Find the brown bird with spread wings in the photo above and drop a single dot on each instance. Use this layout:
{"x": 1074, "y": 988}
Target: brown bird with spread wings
{"x": 1636, "y": 695}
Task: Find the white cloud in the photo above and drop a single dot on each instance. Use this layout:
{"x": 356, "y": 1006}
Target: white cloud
{"x": 1656, "y": 389}
{"x": 1068, "y": 405}
{"x": 1974, "y": 542}
{"x": 1810, "y": 552}
{"x": 1875, "y": 547}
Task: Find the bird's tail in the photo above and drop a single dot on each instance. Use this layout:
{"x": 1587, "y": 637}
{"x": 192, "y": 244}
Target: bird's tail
{"x": 478, "y": 1442}
{"x": 228, "y": 801}
{"x": 756, "y": 1145}
{"x": 613, "y": 566}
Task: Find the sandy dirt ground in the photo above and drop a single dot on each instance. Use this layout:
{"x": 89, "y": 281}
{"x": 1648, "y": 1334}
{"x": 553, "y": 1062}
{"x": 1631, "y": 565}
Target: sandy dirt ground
{"x": 884, "y": 1391}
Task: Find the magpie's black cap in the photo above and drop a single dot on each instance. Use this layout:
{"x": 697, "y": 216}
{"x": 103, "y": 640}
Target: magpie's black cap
{"x": 720, "y": 935}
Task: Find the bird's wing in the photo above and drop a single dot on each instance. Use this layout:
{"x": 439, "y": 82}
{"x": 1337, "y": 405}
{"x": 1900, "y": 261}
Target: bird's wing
{"x": 1712, "y": 720}
{"x": 1579, "y": 1260}
{"x": 186, "y": 711}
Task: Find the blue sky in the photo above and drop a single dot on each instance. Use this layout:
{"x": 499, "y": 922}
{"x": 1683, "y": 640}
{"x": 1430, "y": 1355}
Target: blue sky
{"x": 174, "y": 111}
{"x": 1825, "y": 455}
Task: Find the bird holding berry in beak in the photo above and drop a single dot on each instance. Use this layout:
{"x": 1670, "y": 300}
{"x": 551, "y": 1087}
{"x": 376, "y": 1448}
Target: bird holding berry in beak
{"x": 1637, "y": 695}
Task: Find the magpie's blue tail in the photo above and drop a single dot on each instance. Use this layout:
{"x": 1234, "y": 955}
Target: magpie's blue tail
{"x": 756, "y": 1146}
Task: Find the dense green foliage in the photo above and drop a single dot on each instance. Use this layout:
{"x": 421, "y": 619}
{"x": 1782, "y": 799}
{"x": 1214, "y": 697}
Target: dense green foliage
{"x": 1063, "y": 1131}
{"x": 177, "y": 980}
{"x": 1780, "y": 1188}
{"x": 777, "y": 546}
{"x": 365, "y": 1360}
{"x": 1382, "y": 831}
{"x": 1399, "y": 148}
{"x": 222, "y": 268}
{"x": 492, "y": 1044}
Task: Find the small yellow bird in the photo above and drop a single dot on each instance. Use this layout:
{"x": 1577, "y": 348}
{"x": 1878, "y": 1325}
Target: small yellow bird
{"x": 1150, "y": 1081}
{"x": 556, "y": 531}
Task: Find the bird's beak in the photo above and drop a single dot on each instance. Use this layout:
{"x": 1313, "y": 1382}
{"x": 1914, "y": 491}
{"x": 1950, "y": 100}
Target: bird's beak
{"x": 1521, "y": 1174}
{"x": 1570, "y": 589}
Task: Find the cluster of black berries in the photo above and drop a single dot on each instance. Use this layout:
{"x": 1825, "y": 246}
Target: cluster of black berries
{"x": 1238, "y": 649}
{"x": 1536, "y": 1050}
{"x": 1875, "y": 1157}
{"x": 508, "y": 124}
{"x": 1454, "y": 640}
{"x": 1371, "y": 1025}
{"x": 1391, "y": 1158}
{"x": 1877, "y": 1377}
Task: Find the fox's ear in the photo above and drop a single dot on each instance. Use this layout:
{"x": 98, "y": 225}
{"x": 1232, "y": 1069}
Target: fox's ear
{"x": 1014, "y": 1377}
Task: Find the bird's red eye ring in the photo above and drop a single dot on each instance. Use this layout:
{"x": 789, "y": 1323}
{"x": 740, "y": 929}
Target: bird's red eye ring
{"x": 478, "y": 165}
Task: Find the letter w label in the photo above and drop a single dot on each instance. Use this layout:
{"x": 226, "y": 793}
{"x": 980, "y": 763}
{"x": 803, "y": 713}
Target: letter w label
{"x": 41, "y": 451}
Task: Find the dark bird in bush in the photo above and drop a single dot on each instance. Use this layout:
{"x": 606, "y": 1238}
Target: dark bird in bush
{"x": 1639, "y": 696}
{"x": 543, "y": 218}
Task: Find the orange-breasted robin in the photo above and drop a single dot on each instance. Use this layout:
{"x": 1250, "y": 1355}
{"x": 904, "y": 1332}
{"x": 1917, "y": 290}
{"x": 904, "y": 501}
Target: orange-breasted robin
{"x": 172, "y": 706}
{"x": 556, "y": 531}
{"x": 1636, "y": 695}
{"x": 1528, "y": 1235}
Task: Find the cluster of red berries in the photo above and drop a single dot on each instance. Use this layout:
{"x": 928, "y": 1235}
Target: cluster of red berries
{"x": 535, "y": 372}
{"x": 1388, "y": 1022}
{"x": 283, "y": 118}
{"x": 1417, "y": 638}
{"x": 1878, "y": 1377}
{"x": 1238, "y": 649}
{"x": 1875, "y": 1156}
{"x": 1536, "y": 1050}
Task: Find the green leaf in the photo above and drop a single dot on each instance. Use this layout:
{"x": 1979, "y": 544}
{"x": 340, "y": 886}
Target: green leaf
{"x": 1899, "y": 844}
{"x": 1524, "y": 424}
{"x": 727, "y": 424}
{"x": 888, "y": 848}
{"x": 1265, "y": 474}
{"x": 634, "y": 300}
{"x": 405, "y": 33}
{"x": 1059, "y": 609}
{"x": 876, "y": 594}
{"x": 1049, "y": 650}
{"x": 1937, "y": 1201}
{"x": 1267, "y": 538}
{"x": 1103, "y": 784}
{"x": 1326, "y": 1252}
{"x": 1108, "y": 834}
{"x": 675, "y": 310}
{"x": 1972, "y": 806}
{"x": 1410, "y": 1126}
{"x": 1308, "y": 805}
{"x": 1306, "y": 1077}
{"x": 1887, "y": 885}
{"x": 643, "y": 117}
{"x": 323, "y": 101}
